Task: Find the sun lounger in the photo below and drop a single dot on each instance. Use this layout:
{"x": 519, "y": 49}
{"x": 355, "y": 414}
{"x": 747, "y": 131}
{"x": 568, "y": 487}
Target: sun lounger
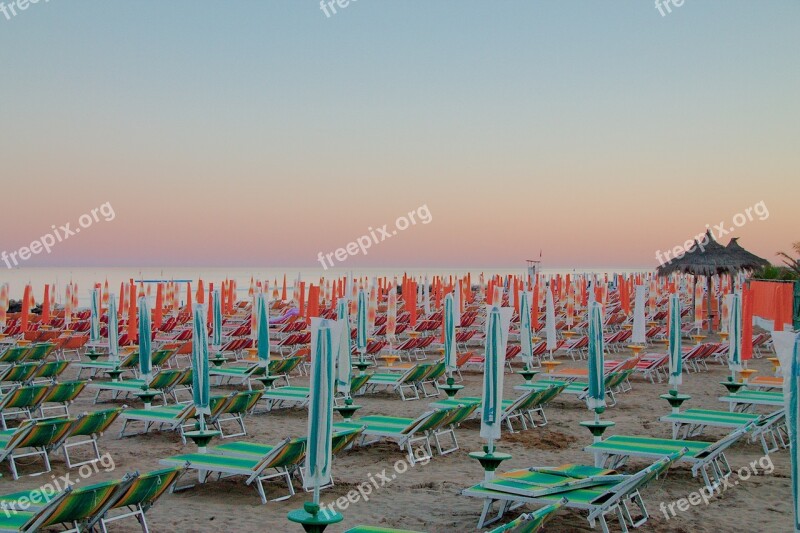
{"x": 615, "y": 451}
{"x": 405, "y": 432}
{"x": 692, "y": 422}
{"x": 62, "y": 394}
{"x": 162, "y": 381}
{"x": 22, "y": 402}
{"x": 49, "y": 371}
{"x": 746, "y": 400}
{"x": 519, "y": 409}
{"x": 596, "y": 490}
{"x": 31, "y": 439}
{"x": 406, "y": 383}
{"x": 284, "y": 458}
{"x": 88, "y": 426}
{"x": 166, "y": 418}
{"x": 286, "y": 397}
{"x": 234, "y": 410}
{"x": 128, "y": 364}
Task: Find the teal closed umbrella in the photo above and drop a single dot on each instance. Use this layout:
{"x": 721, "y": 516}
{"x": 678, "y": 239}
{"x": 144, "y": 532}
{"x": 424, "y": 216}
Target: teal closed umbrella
{"x": 525, "y": 331}
{"x": 325, "y": 341}
{"x": 735, "y": 332}
{"x": 497, "y": 321}
{"x": 216, "y": 320}
{"x": 94, "y": 330}
{"x": 263, "y": 330}
{"x": 113, "y": 329}
{"x": 344, "y": 363}
{"x": 787, "y": 348}
{"x": 675, "y": 348}
{"x": 596, "y": 400}
{"x": 201, "y": 388}
{"x": 361, "y": 323}
{"x": 145, "y": 339}
{"x": 449, "y": 335}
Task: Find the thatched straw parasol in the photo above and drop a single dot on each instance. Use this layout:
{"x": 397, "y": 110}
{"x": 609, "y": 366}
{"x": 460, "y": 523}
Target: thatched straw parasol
{"x": 709, "y": 258}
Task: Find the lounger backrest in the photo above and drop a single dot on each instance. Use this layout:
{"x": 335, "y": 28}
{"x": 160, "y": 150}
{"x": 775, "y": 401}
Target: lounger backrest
{"x": 166, "y": 378}
{"x": 51, "y": 369}
{"x": 460, "y": 413}
{"x": 551, "y": 392}
{"x": 529, "y": 400}
{"x": 438, "y": 419}
{"x": 81, "y": 504}
{"x": 94, "y": 423}
{"x": 161, "y": 356}
{"x": 46, "y": 433}
{"x": 20, "y": 372}
{"x": 40, "y": 351}
{"x": 435, "y": 372}
{"x": 343, "y": 439}
{"x": 725, "y": 442}
{"x": 289, "y": 452}
{"x": 14, "y": 354}
{"x": 24, "y": 397}
{"x": 357, "y": 382}
{"x": 242, "y": 402}
{"x": 531, "y": 522}
{"x": 66, "y": 391}
{"x": 148, "y": 488}
{"x": 639, "y": 479}
{"x": 416, "y": 373}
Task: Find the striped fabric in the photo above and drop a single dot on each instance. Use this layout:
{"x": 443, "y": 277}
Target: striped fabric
{"x": 216, "y": 339}
{"x": 361, "y": 323}
{"x": 597, "y": 390}
{"x": 94, "y": 330}
{"x": 263, "y": 330}
{"x": 201, "y": 388}
{"x": 550, "y": 321}
{"x": 113, "y": 329}
{"x": 344, "y": 365}
{"x": 497, "y": 322}
{"x": 449, "y": 334}
{"x": 145, "y": 338}
{"x": 675, "y": 349}
{"x": 525, "y": 332}
{"x": 735, "y": 331}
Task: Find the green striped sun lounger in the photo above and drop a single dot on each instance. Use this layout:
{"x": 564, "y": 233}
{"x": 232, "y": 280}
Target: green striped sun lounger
{"x": 88, "y": 427}
{"x": 62, "y": 394}
{"x": 579, "y": 388}
{"x": 234, "y": 410}
{"x": 162, "y": 381}
{"x": 407, "y": 383}
{"x": 244, "y": 375}
{"x": 166, "y": 418}
{"x": 376, "y": 529}
{"x": 597, "y": 491}
{"x": 33, "y": 439}
{"x": 746, "y": 400}
{"x": 406, "y": 432}
{"x": 286, "y": 397}
{"x": 19, "y": 373}
{"x": 128, "y": 364}
{"x": 50, "y": 371}
{"x": 520, "y": 409}
{"x": 138, "y": 498}
{"x": 20, "y": 402}
{"x": 284, "y": 458}
{"x": 617, "y": 449}
{"x": 692, "y": 422}
{"x": 15, "y": 354}
{"x": 72, "y": 508}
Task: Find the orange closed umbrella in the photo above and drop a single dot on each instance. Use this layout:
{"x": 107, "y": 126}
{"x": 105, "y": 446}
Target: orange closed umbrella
{"x": 133, "y": 319}
{"x": 46, "y": 305}
{"x": 200, "y": 298}
{"x": 3, "y": 304}
{"x": 283, "y": 290}
{"x": 26, "y": 309}
{"x": 158, "y": 312}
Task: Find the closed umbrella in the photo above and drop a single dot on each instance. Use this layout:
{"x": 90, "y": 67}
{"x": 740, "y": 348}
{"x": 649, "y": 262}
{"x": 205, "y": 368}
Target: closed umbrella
{"x": 3, "y": 304}
{"x": 113, "y": 329}
{"x": 201, "y": 388}
{"x": 449, "y": 335}
{"x": 216, "y": 339}
{"x": 94, "y": 330}
{"x": 145, "y": 361}
{"x": 325, "y": 335}
{"x": 262, "y": 312}
{"x": 550, "y": 322}
{"x": 526, "y": 335}
{"x": 638, "y": 333}
{"x": 596, "y": 399}
{"x": 497, "y": 322}
{"x": 675, "y": 349}
{"x": 344, "y": 364}
{"x": 361, "y": 324}
{"x": 735, "y": 331}
{"x": 787, "y": 348}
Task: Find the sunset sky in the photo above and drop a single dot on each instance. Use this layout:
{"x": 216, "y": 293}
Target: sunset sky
{"x": 261, "y": 133}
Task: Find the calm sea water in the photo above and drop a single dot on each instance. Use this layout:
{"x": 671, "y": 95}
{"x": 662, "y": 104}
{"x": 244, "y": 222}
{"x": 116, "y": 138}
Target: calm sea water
{"x": 86, "y": 277}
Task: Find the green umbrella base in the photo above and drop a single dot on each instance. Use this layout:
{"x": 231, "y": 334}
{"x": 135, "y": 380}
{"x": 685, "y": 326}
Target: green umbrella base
{"x": 312, "y": 520}
{"x": 451, "y": 390}
{"x": 218, "y": 361}
{"x": 147, "y": 396}
{"x": 362, "y": 366}
{"x": 347, "y": 411}
{"x": 675, "y": 400}
{"x": 732, "y": 386}
{"x": 490, "y": 461}
{"x": 268, "y": 381}
{"x": 92, "y": 355}
{"x": 527, "y": 375}
{"x": 597, "y": 427}
{"x": 114, "y": 374}
{"x": 202, "y": 438}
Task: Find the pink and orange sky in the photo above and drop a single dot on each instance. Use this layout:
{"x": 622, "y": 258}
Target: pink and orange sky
{"x": 264, "y": 134}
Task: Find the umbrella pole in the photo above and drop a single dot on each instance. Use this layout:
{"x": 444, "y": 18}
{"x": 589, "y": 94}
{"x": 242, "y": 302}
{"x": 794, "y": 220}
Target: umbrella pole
{"x": 710, "y": 310}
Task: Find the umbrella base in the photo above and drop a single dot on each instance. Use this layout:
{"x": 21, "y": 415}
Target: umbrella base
{"x": 347, "y": 411}
{"x": 489, "y": 461}
{"x": 732, "y": 386}
{"x": 675, "y": 400}
{"x": 312, "y": 520}
{"x": 202, "y": 438}
{"x": 527, "y": 375}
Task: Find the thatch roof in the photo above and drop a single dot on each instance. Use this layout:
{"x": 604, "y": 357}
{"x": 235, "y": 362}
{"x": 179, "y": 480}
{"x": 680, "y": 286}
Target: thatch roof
{"x": 711, "y": 258}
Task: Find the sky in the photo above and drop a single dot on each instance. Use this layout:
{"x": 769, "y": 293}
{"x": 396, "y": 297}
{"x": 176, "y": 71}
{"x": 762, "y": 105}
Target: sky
{"x": 267, "y": 132}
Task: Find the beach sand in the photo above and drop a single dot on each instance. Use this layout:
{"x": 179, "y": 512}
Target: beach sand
{"x": 427, "y": 497}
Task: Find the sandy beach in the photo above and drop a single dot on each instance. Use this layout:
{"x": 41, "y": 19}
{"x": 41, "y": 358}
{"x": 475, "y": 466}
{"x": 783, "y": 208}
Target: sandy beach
{"x": 427, "y": 497}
